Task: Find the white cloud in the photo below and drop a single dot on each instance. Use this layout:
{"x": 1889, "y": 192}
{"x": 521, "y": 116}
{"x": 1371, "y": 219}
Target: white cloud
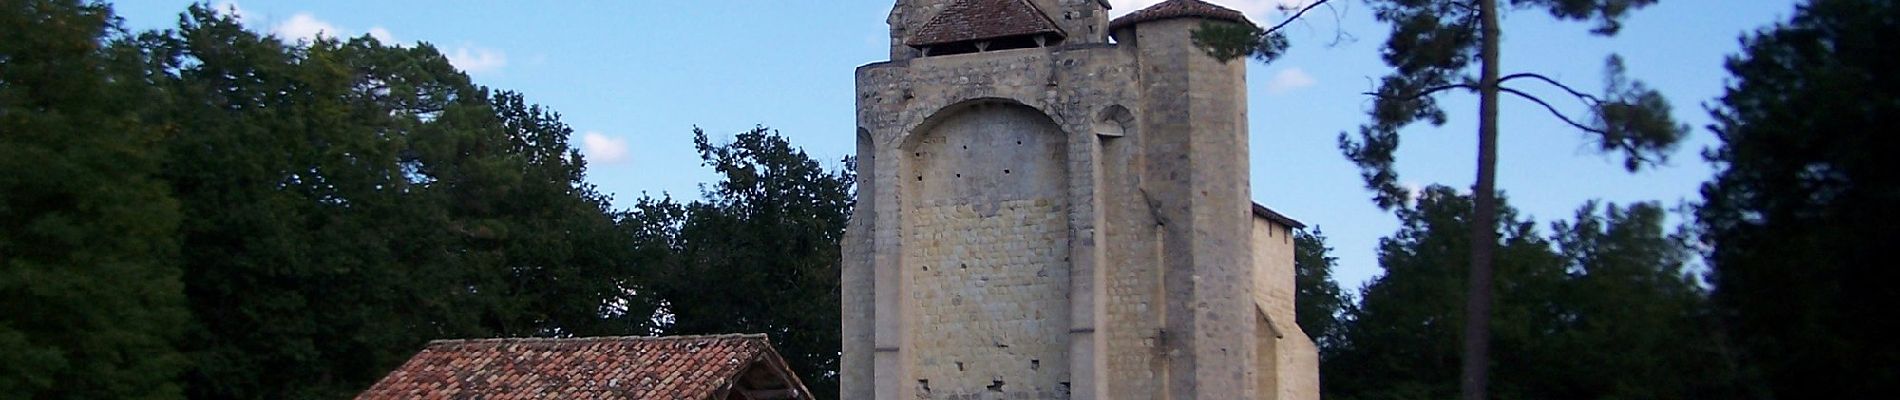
{"x": 306, "y": 26}
{"x": 382, "y": 35}
{"x": 1412, "y": 191}
{"x": 1290, "y": 79}
{"x": 303, "y": 25}
{"x": 230, "y": 8}
{"x": 473, "y": 59}
{"x": 603, "y": 149}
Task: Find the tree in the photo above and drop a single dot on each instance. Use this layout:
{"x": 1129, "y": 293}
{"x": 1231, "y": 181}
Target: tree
{"x": 1431, "y": 48}
{"x": 1797, "y": 217}
{"x": 759, "y": 254}
{"x": 209, "y": 212}
{"x": 1401, "y": 342}
{"x": 1634, "y": 324}
{"x": 90, "y": 300}
{"x": 1319, "y": 302}
{"x": 346, "y": 202}
{"x": 1603, "y": 308}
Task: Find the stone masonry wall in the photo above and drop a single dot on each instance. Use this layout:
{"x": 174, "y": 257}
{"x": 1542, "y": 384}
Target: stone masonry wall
{"x": 987, "y": 255}
{"x": 1062, "y": 222}
{"x": 1133, "y": 290}
{"x": 1273, "y": 264}
{"x": 1289, "y": 363}
{"x": 901, "y": 101}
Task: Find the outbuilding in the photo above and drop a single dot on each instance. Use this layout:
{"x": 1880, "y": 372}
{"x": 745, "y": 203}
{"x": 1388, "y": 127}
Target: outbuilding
{"x": 719, "y": 367}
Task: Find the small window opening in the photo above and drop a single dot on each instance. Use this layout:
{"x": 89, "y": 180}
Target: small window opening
{"x": 1003, "y": 43}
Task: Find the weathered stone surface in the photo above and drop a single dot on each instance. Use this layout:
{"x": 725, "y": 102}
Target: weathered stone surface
{"x": 1064, "y": 222}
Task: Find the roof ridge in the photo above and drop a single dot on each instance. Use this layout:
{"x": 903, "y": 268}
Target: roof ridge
{"x": 584, "y": 339}
{"x": 684, "y": 366}
{"x": 967, "y": 20}
{"x": 1262, "y": 211}
{"x": 1171, "y": 9}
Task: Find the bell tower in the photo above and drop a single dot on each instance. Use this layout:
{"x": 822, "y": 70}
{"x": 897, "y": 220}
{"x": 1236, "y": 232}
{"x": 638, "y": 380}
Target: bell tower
{"x": 1054, "y": 205}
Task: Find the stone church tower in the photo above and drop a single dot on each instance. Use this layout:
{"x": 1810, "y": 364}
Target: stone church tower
{"x": 1054, "y": 205}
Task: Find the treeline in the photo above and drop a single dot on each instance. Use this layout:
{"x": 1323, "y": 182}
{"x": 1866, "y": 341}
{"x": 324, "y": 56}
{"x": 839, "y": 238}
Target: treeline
{"x": 1604, "y": 305}
{"x": 207, "y": 212}
{"x": 1777, "y": 287}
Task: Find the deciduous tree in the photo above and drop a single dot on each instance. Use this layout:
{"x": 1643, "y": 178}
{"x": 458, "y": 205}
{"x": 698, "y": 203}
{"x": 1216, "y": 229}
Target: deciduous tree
{"x": 1602, "y": 307}
{"x": 346, "y": 201}
{"x": 1798, "y": 219}
{"x": 1318, "y": 301}
{"x": 1402, "y": 339}
{"x": 90, "y": 299}
{"x": 758, "y": 254}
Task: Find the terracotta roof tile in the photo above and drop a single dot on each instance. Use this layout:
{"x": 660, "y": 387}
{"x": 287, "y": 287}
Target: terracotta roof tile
{"x": 983, "y": 19}
{"x": 1179, "y": 9}
{"x": 679, "y": 367}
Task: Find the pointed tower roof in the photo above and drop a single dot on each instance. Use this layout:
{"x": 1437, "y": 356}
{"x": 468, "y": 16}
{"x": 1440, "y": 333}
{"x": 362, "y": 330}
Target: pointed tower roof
{"x": 983, "y": 19}
{"x": 1179, "y": 9}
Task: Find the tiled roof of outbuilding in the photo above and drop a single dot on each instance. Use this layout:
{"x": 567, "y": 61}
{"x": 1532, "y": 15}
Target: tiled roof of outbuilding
{"x": 680, "y": 367}
{"x": 968, "y": 20}
{"x": 1275, "y": 216}
{"x": 1179, "y": 9}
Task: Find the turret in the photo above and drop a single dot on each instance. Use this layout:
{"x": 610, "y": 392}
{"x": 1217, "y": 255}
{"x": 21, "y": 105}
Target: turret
{"x": 1195, "y": 111}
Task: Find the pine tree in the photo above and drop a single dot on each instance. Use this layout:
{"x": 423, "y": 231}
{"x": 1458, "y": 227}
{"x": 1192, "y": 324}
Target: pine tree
{"x": 1432, "y": 47}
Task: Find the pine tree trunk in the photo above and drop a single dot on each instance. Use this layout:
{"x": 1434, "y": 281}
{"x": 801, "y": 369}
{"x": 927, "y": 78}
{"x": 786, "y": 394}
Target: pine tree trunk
{"x": 1477, "y": 357}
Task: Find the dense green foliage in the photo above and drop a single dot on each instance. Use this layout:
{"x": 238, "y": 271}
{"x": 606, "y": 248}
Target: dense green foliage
{"x": 345, "y": 201}
{"x": 1799, "y": 217}
{"x": 90, "y": 299}
{"x": 213, "y": 213}
{"x": 208, "y": 212}
{"x": 1437, "y": 46}
{"x": 1403, "y": 339}
{"x": 759, "y": 254}
{"x": 1432, "y": 49}
{"x": 1318, "y": 303}
{"x": 1601, "y": 308}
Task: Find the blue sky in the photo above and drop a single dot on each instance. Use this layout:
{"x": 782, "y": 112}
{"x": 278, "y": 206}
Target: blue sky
{"x": 634, "y": 77}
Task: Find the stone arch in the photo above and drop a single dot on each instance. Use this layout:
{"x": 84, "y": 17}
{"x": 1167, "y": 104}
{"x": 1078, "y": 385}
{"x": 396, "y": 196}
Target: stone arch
{"x": 1113, "y": 121}
{"x": 987, "y": 149}
{"x": 985, "y": 225}
{"x": 867, "y": 156}
{"x": 866, "y": 175}
{"x": 913, "y": 126}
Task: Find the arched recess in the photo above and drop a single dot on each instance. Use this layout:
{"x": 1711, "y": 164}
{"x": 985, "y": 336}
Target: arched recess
{"x": 866, "y": 175}
{"x": 986, "y": 252}
{"x": 1132, "y": 266}
{"x": 1114, "y": 121}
